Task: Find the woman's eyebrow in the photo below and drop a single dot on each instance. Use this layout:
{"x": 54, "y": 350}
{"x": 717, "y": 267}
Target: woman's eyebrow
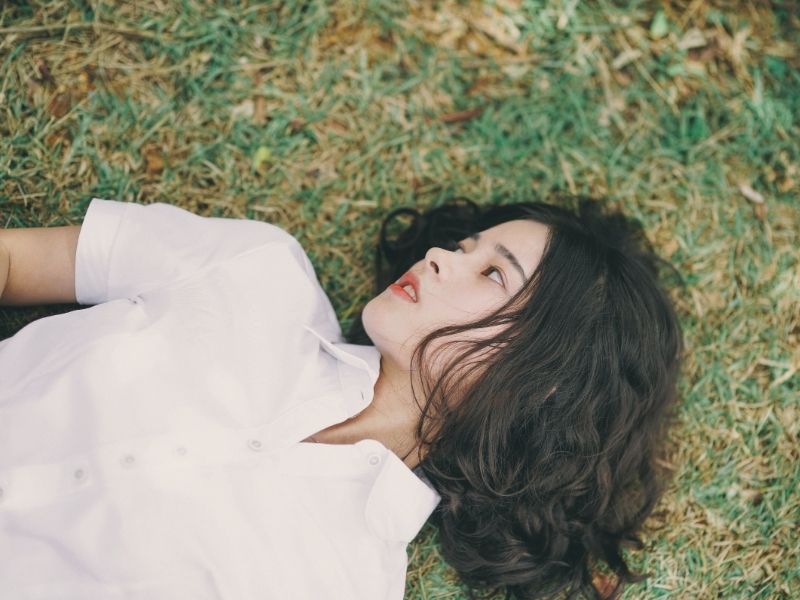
{"x": 506, "y": 253}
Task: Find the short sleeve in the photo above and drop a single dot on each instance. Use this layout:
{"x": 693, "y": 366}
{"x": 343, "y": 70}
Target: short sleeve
{"x": 126, "y": 248}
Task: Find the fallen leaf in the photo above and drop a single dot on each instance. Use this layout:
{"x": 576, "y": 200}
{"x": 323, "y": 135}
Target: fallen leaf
{"x": 604, "y": 585}
{"x": 693, "y": 38}
{"x": 60, "y": 104}
{"x": 58, "y": 137}
{"x": 261, "y": 156}
{"x": 259, "y": 110}
{"x": 660, "y": 26}
{"x": 751, "y": 194}
{"x": 154, "y": 160}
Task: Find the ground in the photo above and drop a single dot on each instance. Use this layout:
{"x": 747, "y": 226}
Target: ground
{"x": 322, "y": 116}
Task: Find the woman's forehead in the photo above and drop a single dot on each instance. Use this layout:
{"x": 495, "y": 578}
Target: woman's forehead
{"x": 517, "y": 227}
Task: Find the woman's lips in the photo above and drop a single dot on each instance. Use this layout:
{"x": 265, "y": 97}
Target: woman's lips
{"x": 396, "y": 289}
{"x": 408, "y": 279}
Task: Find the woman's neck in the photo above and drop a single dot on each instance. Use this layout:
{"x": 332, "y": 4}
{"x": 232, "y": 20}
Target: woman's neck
{"x": 391, "y": 418}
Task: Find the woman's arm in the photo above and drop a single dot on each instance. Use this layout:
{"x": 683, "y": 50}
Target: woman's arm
{"x": 37, "y": 265}
{"x": 4, "y": 260}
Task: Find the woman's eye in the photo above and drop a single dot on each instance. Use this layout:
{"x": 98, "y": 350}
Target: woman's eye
{"x": 455, "y": 246}
{"x": 496, "y": 271}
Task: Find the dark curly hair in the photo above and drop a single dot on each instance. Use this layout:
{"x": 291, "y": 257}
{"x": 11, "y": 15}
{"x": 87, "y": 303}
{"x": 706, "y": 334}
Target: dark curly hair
{"x": 547, "y": 464}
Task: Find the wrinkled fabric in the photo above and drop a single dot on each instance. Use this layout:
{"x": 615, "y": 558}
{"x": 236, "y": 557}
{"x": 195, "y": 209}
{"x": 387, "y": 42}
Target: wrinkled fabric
{"x": 150, "y": 443}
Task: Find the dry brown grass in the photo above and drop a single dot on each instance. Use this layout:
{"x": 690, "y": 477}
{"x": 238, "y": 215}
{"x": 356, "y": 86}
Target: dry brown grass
{"x": 321, "y": 117}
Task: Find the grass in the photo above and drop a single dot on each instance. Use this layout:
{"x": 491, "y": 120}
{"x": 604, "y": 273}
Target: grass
{"x": 322, "y": 116}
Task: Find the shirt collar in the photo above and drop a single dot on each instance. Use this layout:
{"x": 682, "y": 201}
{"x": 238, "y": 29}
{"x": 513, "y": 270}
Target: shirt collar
{"x": 359, "y": 367}
{"x": 396, "y": 503}
{"x": 399, "y": 502}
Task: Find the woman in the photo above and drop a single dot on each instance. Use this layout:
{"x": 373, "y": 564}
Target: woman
{"x": 205, "y": 430}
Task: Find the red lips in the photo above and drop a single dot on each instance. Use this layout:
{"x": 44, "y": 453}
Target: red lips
{"x": 410, "y": 279}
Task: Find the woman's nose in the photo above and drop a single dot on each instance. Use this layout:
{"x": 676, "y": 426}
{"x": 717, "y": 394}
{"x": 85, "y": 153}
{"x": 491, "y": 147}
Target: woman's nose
{"x": 439, "y": 260}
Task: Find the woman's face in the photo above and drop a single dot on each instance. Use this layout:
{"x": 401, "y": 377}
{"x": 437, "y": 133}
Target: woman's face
{"x": 455, "y": 286}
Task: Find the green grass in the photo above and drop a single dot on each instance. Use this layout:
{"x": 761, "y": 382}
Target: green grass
{"x": 322, "y": 116}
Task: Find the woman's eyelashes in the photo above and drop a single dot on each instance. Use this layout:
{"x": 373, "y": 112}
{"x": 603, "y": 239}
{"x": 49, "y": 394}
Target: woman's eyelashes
{"x": 454, "y": 245}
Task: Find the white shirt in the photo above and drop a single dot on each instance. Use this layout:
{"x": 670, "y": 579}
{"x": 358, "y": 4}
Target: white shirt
{"x": 150, "y": 445}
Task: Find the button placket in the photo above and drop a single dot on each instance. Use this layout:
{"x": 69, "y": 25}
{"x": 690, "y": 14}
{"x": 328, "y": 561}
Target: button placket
{"x": 372, "y": 451}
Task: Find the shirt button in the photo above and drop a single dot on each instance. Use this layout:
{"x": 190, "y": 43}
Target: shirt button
{"x": 254, "y": 445}
{"x": 128, "y": 460}
{"x": 79, "y": 475}
{"x": 180, "y": 451}
{"x": 1, "y": 494}
{"x": 374, "y": 459}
